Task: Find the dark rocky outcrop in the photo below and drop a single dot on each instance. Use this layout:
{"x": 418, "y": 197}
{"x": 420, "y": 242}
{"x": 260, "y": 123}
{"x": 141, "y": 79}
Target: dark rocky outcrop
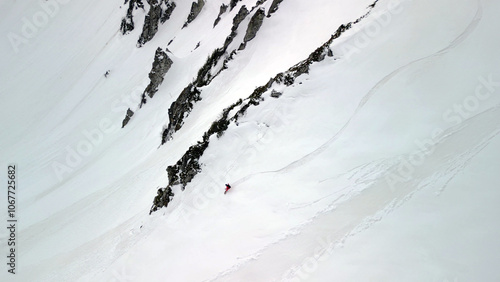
{"x": 127, "y": 24}
{"x": 181, "y": 108}
{"x": 195, "y": 11}
{"x": 233, "y": 4}
{"x": 127, "y": 118}
{"x": 276, "y": 94}
{"x": 223, "y": 9}
{"x": 253, "y": 27}
{"x": 188, "y": 166}
{"x": 159, "y": 11}
{"x": 161, "y": 65}
{"x": 163, "y": 197}
{"x": 150, "y": 22}
{"x": 274, "y": 7}
{"x": 170, "y": 7}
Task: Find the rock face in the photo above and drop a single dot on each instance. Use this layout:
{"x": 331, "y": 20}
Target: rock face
{"x": 179, "y": 109}
{"x": 223, "y": 9}
{"x": 170, "y": 7}
{"x": 190, "y": 95}
{"x": 233, "y": 3}
{"x": 242, "y": 14}
{"x": 163, "y": 197}
{"x": 127, "y": 118}
{"x": 157, "y": 13}
{"x": 188, "y": 166}
{"x": 127, "y": 24}
{"x": 151, "y": 22}
{"x": 161, "y": 65}
{"x": 276, "y": 94}
{"x": 274, "y": 7}
{"x": 253, "y": 27}
{"x": 195, "y": 11}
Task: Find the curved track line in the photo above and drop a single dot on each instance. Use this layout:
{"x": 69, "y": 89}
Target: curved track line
{"x": 459, "y": 39}
{"x": 308, "y": 157}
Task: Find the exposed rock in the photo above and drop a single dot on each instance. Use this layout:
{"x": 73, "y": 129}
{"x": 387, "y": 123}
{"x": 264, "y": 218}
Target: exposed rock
{"x": 188, "y": 166}
{"x": 161, "y": 65}
{"x": 240, "y": 16}
{"x": 274, "y": 7}
{"x": 170, "y": 7}
{"x": 128, "y": 115}
{"x": 233, "y": 3}
{"x": 204, "y": 76}
{"x": 243, "y": 45}
{"x": 151, "y": 22}
{"x": 254, "y": 25}
{"x": 223, "y": 9}
{"x": 179, "y": 109}
{"x": 159, "y": 11}
{"x": 127, "y": 24}
{"x": 163, "y": 197}
{"x": 195, "y": 11}
{"x": 259, "y": 2}
{"x": 276, "y": 94}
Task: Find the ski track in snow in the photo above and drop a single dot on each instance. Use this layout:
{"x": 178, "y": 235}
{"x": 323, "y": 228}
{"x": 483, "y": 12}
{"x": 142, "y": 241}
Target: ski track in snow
{"x": 303, "y": 160}
{"x": 360, "y": 199}
{"x": 376, "y": 202}
{"x": 387, "y": 205}
{"x": 470, "y": 28}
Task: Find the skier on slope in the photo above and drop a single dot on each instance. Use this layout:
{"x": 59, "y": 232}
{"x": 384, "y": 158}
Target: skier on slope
{"x": 227, "y": 188}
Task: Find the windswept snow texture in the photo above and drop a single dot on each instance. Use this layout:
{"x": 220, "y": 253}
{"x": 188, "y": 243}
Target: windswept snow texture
{"x": 380, "y": 164}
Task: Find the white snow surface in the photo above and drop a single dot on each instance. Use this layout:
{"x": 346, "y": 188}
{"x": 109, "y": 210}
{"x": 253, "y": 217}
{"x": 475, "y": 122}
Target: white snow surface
{"x": 380, "y": 164}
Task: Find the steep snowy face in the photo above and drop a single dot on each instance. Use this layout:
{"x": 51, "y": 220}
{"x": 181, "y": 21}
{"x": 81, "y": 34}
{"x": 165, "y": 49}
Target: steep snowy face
{"x": 360, "y": 139}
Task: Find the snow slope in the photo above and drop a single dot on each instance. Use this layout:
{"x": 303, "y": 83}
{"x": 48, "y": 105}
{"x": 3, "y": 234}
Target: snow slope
{"x": 378, "y": 165}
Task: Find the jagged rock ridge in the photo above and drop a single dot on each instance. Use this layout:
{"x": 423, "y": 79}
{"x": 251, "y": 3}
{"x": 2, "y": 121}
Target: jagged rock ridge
{"x": 274, "y": 7}
{"x": 233, "y": 3}
{"x": 222, "y": 10}
{"x": 196, "y": 8}
{"x": 253, "y": 27}
{"x": 127, "y": 23}
{"x": 161, "y": 64}
{"x": 191, "y": 94}
{"x": 188, "y": 166}
{"x": 159, "y": 12}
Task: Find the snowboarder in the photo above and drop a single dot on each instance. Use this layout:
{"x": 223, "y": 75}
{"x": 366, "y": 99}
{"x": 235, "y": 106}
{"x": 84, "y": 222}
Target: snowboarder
{"x": 227, "y": 188}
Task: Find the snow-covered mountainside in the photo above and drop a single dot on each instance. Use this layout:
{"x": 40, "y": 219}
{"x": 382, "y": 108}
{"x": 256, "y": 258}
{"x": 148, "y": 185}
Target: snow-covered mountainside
{"x": 360, "y": 138}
